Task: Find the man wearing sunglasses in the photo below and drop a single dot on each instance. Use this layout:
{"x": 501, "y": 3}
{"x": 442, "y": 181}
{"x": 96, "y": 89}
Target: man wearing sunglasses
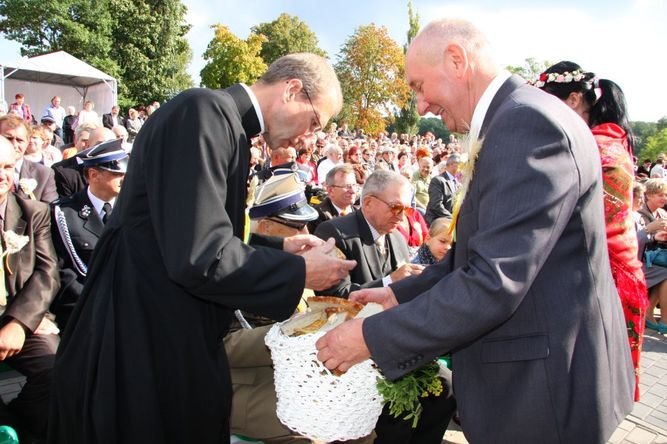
{"x": 369, "y": 236}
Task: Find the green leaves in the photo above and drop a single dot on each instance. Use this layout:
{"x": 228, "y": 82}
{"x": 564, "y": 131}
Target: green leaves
{"x": 285, "y": 35}
{"x": 141, "y": 42}
{"x": 404, "y": 393}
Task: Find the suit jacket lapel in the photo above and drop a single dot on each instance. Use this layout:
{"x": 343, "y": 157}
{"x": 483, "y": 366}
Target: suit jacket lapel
{"x": 249, "y": 118}
{"x": 505, "y": 90}
{"x": 368, "y": 244}
{"x": 14, "y": 222}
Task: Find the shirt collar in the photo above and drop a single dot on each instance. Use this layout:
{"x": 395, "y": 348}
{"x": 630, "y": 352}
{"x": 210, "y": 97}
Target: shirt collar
{"x": 97, "y": 202}
{"x": 484, "y": 103}
{"x": 255, "y": 105}
{"x": 376, "y": 235}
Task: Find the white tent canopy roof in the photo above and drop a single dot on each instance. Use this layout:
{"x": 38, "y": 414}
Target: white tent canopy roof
{"x": 56, "y": 67}
{"x": 58, "y": 73}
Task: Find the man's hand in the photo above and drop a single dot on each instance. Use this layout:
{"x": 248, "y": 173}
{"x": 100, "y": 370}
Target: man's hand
{"x": 300, "y": 243}
{"x": 12, "y": 338}
{"x": 343, "y": 346}
{"x": 323, "y": 270}
{"x": 383, "y": 296}
{"x": 406, "y": 270}
{"x": 47, "y": 327}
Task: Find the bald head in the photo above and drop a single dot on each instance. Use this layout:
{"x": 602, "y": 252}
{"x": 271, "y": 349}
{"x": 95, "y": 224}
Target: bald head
{"x": 430, "y": 43}
{"x": 99, "y": 135}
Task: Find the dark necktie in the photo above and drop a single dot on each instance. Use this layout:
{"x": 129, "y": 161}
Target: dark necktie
{"x": 106, "y": 210}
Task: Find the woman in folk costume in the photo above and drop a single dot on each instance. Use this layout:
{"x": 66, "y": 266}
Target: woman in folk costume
{"x": 601, "y": 103}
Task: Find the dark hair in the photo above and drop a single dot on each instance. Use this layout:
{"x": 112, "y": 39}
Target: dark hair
{"x": 607, "y": 104}
{"x": 303, "y": 151}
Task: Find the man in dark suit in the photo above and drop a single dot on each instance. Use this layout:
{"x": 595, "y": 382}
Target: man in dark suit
{"x": 369, "y": 235}
{"x": 113, "y": 118}
{"x": 442, "y": 191}
{"x": 31, "y": 180}
{"x": 28, "y": 283}
{"x": 341, "y": 187}
{"x": 79, "y": 220}
{"x": 524, "y": 300}
{"x": 171, "y": 266}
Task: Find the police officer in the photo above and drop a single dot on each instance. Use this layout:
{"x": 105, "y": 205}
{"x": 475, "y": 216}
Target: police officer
{"x": 79, "y": 220}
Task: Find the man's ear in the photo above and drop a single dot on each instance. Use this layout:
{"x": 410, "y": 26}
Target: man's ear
{"x": 292, "y": 88}
{"x": 456, "y": 59}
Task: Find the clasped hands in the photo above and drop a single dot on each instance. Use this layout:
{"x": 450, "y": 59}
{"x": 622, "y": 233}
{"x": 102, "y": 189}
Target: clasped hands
{"x": 344, "y": 346}
{"x": 323, "y": 270}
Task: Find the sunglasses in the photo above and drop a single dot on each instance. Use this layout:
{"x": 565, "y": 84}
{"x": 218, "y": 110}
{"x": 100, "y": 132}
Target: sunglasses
{"x": 288, "y": 223}
{"x": 396, "y": 208}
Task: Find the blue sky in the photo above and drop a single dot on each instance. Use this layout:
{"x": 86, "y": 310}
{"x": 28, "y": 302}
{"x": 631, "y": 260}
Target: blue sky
{"x": 625, "y": 41}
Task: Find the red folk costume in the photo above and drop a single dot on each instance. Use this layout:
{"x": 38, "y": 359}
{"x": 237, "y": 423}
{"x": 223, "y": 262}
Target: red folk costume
{"x": 618, "y": 175}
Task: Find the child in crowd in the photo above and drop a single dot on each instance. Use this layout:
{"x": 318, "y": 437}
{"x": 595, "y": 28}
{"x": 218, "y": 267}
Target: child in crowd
{"x": 437, "y": 244}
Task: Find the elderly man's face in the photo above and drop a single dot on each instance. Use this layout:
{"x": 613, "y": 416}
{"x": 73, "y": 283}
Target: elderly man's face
{"x": 385, "y": 210}
{"x": 425, "y": 166}
{"x": 343, "y": 192}
{"x": 439, "y": 87}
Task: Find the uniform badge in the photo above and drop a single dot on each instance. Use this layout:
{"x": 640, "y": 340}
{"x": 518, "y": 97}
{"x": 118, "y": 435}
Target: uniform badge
{"x": 85, "y": 212}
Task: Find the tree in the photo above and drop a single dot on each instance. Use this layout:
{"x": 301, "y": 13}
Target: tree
{"x": 641, "y": 132}
{"x": 435, "y": 126}
{"x": 142, "y": 42}
{"x": 153, "y": 62}
{"x": 655, "y": 145}
{"x": 232, "y": 60}
{"x": 530, "y": 69}
{"x": 80, "y": 27}
{"x": 285, "y": 35}
{"x": 371, "y": 71}
{"x": 408, "y": 118}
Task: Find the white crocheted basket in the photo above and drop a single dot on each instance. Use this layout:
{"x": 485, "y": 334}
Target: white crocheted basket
{"x": 315, "y": 403}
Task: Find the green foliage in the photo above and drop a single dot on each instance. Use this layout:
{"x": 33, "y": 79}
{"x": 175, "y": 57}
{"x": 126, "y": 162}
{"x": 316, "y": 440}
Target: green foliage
{"x": 662, "y": 123}
{"x": 232, "y": 60}
{"x": 141, "y": 42}
{"x": 530, "y": 69}
{"x": 641, "y": 132}
{"x": 403, "y": 394}
{"x": 154, "y": 58}
{"x": 372, "y": 75}
{"x": 655, "y": 145}
{"x": 285, "y": 35}
{"x": 435, "y": 126}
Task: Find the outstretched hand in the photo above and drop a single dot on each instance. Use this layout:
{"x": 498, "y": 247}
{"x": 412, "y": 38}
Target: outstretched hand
{"x": 324, "y": 270}
{"x": 343, "y": 347}
{"x": 383, "y": 296}
{"x": 300, "y": 243}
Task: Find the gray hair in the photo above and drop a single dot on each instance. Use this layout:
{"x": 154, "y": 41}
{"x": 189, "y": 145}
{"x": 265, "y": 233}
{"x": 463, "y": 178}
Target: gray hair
{"x": 380, "y": 180}
{"x": 439, "y": 33}
{"x": 345, "y": 168}
{"x": 314, "y": 71}
{"x": 454, "y": 158}
{"x": 331, "y": 148}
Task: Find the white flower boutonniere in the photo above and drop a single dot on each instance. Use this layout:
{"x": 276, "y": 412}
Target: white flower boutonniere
{"x": 472, "y": 149}
{"x": 13, "y": 244}
{"x": 28, "y": 186}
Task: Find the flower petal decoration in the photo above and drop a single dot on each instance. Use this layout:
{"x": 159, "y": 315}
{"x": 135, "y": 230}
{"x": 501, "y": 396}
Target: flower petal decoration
{"x": 14, "y": 242}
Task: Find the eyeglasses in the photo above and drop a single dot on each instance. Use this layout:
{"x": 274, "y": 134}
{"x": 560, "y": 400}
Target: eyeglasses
{"x": 288, "y": 223}
{"x": 317, "y": 118}
{"x": 348, "y": 187}
{"x": 396, "y": 208}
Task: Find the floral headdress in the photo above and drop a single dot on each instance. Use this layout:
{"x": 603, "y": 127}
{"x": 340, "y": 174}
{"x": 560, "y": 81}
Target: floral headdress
{"x": 556, "y": 77}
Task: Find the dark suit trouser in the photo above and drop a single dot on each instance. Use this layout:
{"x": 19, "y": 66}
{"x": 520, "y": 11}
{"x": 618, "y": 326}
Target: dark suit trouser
{"x": 35, "y": 362}
{"x": 436, "y": 414}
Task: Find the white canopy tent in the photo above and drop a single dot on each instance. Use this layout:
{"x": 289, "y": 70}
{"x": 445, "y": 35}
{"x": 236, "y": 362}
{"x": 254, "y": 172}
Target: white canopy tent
{"x": 60, "y": 74}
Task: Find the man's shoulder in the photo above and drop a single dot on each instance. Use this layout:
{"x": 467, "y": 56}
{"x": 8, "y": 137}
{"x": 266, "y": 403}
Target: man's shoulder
{"x": 344, "y": 226}
{"x": 74, "y": 202}
{"x": 31, "y": 206}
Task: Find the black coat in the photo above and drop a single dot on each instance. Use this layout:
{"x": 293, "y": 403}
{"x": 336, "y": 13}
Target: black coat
{"x": 142, "y": 359}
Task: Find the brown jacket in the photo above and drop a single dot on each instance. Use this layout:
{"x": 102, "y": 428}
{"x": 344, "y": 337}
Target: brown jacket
{"x": 31, "y": 275}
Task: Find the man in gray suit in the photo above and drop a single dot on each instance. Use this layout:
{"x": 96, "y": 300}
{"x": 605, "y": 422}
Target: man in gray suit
{"x": 525, "y": 300}
{"x": 442, "y": 191}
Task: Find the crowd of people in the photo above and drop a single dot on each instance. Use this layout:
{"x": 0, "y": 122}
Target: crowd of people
{"x": 227, "y": 216}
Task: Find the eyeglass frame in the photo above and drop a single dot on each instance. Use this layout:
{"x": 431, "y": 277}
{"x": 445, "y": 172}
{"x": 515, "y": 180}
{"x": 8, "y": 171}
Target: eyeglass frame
{"x": 317, "y": 117}
{"x": 348, "y": 187}
{"x": 396, "y": 209}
